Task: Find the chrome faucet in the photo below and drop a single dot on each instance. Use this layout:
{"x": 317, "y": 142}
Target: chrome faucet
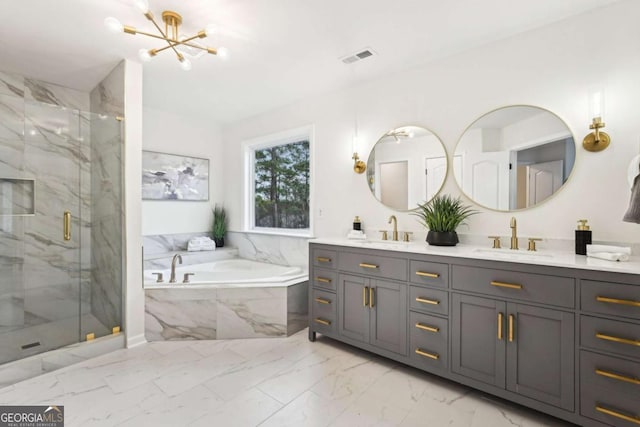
{"x": 176, "y": 257}
{"x": 395, "y": 227}
{"x": 514, "y": 233}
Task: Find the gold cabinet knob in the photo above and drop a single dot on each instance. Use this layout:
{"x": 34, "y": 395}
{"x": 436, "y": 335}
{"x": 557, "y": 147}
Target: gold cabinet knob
{"x": 496, "y": 242}
{"x": 385, "y": 235}
{"x": 532, "y": 243}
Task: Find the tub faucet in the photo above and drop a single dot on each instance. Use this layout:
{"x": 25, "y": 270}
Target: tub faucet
{"x": 176, "y": 257}
{"x": 393, "y": 219}
{"x": 514, "y": 233}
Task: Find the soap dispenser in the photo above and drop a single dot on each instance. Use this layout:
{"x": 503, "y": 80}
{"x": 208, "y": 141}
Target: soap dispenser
{"x": 357, "y": 224}
{"x": 583, "y": 237}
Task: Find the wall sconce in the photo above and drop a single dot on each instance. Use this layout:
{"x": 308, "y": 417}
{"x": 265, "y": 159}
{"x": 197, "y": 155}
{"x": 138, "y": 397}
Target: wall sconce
{"x": 358, "y": 165}
{"x": 596, "y": 140}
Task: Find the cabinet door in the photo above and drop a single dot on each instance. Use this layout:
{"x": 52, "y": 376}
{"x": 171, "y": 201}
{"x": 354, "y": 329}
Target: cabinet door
{"x": 478, "y": 338}
{"x": 353, "y": 308}
{"x": 389, "y": 316}
{"x": 540, "y": 358}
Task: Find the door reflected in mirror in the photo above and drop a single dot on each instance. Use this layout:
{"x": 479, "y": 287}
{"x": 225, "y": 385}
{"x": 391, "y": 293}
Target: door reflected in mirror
{"x": 406, "y": 167}
{"x": 514, "y": 158}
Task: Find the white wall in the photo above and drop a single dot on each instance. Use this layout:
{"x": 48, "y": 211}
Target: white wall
{"x": 552, "y": 67}
{"x": 173, "y": 133}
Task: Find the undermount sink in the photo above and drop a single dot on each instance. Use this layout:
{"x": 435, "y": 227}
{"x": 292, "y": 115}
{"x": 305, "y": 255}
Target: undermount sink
{"x": 385, "y": 243}
{"x": 512, "y": 254}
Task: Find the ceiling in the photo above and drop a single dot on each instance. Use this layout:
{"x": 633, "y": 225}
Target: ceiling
{"x": 280, "y": 50}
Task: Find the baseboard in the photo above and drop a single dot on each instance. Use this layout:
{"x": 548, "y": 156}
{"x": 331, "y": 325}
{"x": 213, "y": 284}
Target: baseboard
{"x": 136, "y": 341}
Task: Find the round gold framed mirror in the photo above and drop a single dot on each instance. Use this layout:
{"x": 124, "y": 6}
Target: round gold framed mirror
{"x": 407, "y": 166}
{"x": 514, "y": 158}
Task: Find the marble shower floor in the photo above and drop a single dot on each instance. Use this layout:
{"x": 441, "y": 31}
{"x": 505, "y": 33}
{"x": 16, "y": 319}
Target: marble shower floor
{"x": 266, "y": 382}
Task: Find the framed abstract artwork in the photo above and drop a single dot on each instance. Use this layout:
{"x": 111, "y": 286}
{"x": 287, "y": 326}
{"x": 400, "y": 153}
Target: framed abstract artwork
{"x": 174, "y": 177}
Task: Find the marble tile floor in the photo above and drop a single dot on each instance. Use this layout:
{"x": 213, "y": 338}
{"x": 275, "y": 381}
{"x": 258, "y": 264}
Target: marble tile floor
{"x": 260, "y": 382}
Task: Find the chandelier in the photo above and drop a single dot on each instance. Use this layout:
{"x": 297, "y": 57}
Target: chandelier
{"x": 180, "y": 44}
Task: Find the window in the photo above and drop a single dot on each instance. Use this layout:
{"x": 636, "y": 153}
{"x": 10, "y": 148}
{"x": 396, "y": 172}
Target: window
{"x": 279, "y": 184}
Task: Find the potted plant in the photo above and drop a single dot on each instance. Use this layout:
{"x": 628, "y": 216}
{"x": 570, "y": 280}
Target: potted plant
{"x": 219, "y": 225}
{"x": 442, "y": 215}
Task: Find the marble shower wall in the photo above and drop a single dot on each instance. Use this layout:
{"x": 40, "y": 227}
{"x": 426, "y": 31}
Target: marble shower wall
{"x": 42, "y": 143}
{"x": 107, "y": 143}
{"x": 47, "y": 138}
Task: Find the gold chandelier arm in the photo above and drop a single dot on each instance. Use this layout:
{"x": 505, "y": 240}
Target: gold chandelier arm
{"x": 164, "y": 36}
{"x": 208, "y": 49}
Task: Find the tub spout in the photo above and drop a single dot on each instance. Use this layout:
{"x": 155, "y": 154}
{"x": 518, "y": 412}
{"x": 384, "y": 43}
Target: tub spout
{"x": 176, "y": 257}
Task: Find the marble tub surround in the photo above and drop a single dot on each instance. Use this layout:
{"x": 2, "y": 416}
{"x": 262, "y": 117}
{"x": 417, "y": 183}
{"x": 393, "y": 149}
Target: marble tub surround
{"x": 162, "y": 261}
{"x": 566, "y": 259}
{"x": 224, "y": 313}
{"x": 167, "y": 243}
{"x": 282, "y": 250}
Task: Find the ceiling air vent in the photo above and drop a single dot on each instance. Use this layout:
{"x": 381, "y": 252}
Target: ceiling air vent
{"x": 363, "y": 54}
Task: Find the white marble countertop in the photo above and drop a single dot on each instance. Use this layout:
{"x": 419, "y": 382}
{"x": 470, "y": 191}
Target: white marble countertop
{"x": 542, "y": 257}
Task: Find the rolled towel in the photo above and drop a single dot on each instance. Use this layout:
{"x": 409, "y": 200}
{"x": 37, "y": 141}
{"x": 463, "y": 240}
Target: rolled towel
{"x": 609, "y": 256}
{"x": 608, "y": 248}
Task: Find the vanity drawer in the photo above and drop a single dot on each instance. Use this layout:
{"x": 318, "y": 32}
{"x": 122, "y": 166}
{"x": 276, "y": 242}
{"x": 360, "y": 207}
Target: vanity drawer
{"x": 324, "y": 279}
{"x": 429, "y": 273}
{"x": 428, "y": 340}
{"x": 323, "y": 311}
{"x": 324, "y": 258}
{"x": 610, "y": 406}
{"x": 429, "y": 300}
{"x": 610, "y": 298}
{"x": 610, "y": 335}
{"x": 373, "y": 265}
{"x": 599, "y": 372}
{"x": 553, "y": 290}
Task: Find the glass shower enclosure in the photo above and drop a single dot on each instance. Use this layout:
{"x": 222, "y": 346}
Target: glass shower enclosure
{"x": 61, "y": 219}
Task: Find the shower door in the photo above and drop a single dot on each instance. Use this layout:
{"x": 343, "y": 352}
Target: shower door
{"x": 46, "y": 264}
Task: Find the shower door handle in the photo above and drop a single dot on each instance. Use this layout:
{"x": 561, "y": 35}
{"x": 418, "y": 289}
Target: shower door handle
{"x": 66, "y": 225}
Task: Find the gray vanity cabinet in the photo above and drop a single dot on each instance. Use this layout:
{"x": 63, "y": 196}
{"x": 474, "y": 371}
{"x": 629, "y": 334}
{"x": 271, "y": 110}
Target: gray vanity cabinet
{"x": 373, "y": 311}
{"x": 564, "y": 341}
{"x": 525, "y": 349}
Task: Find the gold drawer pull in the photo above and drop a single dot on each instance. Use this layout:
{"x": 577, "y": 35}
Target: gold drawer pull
{"x": 500, "y": 336}
{"x": 427, "y": 301}
{"x": 323, "y": 259}
{"x": 425, "y": 274}
{"x": 433, "y": 356}
{"x": 323, "y": 280}
{"x": 323, "y": 301}
{"x": 618, "y": 377}
{"x": 618, "y": 301}
{"x": 365, "y": 265}
{"x": 617, "y": 339}
{"x": 635, "y": 420}
{"x": 322, "y": 321}
{"x": 364, "y": 295}
{"x": 506, "y": 285}
{"x": 427, "y": 328}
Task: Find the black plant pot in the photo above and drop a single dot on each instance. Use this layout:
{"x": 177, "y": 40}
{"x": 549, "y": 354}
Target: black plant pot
{"x": 219, "y": 241}
{"x": 442, "y": 238}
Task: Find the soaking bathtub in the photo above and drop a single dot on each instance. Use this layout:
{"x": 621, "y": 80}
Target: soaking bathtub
{"x": 227, "y": 273}
{"x": 226, "y": 299}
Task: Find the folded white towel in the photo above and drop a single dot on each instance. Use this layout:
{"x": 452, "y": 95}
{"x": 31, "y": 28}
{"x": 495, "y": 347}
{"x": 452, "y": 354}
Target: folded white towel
{"x": 201, "y": 244}
{"x": 608, "y": 248}
{"x": 609, "y": 256}
{"x": 356, "y": 234}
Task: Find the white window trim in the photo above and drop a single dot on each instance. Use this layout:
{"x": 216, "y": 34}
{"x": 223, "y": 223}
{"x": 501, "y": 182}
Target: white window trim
{"x": 279, "y": 138}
